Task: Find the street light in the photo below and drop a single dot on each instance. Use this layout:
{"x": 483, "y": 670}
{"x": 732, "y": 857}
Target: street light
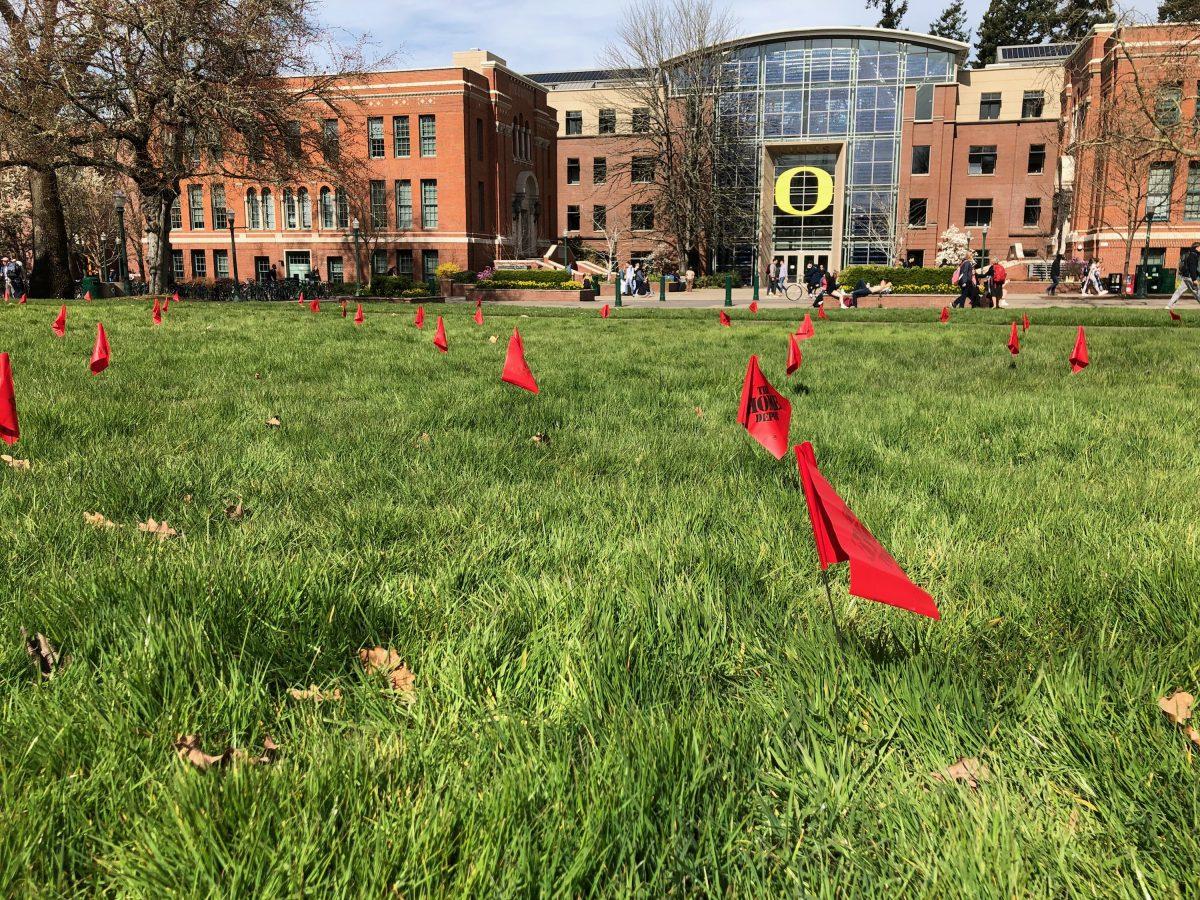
{"x": 233, "y": 253}
{"x": 1143, "y": 281}
{"x": 983, "y": 250}
{"x": 119, "y": 206}
{"x": 357, "y": 265}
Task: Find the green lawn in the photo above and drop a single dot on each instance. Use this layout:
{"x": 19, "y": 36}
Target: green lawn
{"x": 627, "y": 682}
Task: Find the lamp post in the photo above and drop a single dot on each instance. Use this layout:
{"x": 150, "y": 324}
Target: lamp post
{"x": 1143, "y": 282}
{"x": 357, "y": 264}
{"x": 986, "y": 226}
{"x": 233, "y": 253}
{"x": 119, "y": 206}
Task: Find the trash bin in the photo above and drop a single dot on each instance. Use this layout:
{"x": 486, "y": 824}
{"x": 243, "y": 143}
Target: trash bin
{"x": 90, "y": 283}
{"x": 1114, "y": 283}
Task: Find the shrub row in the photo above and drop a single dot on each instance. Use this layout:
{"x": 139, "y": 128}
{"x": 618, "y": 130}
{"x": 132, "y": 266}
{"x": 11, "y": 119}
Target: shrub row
{"x": 899, "y": 277}
{"x": 539, "y": 276}
{"x": 397, "y": 286}
{"x": 502, "y": 284}
{"x": 717, "y": 280}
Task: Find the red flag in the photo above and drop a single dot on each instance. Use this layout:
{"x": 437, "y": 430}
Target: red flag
{"x": 1079, "y": 356}
{"x": 439, "y": 336}
{"x": 9, "y": 430}
{"x": 6, "y": 294}
{"x": 344, "y": 309}
{"x": 88, "y": 296}
{"x": 764, "y": 412}
{"x": 753, "y": 306}
{"x": 1014, "y": 343}
{"x": 806, "y": 330}
{"x": 604, "y": 311}
{"x": 166, "y": 304}
{"x": 100, "y": 351}
{"x": 300, "y": 301}
{"x": 840, "y": 536}
{"x": 1024, "y": 321}
{"x": 358, "y": 315}
{"x": 945, "y": 316}
{"x": 60, "y": 324}
{"x": 516, "y": 370}
{"x": 175, "y": 296}
{"x": 23, "y": 300}
{"x": 821, "y": 312}
{"x": 315, "y": 305}
{"x": 156, "y": 314}
{"x": 1174, "y": 315}
{"x": 794, "y": 358}
{"x": 478, "y": 314}
{"x": 724, "y": 319}
{"x": 419, "y": 319}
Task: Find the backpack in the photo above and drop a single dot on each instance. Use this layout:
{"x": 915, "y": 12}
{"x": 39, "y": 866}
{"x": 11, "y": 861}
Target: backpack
{"x": 999, "y": 274}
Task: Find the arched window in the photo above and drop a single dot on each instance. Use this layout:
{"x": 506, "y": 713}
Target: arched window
{"x": 268, "y": 209}
{"x": 289, "y": 209}
{"x": 343, "y": 209}
{"x": 305, "y": 210}
{"x": 326, "y": 208}
{"x": 253, "y": 217}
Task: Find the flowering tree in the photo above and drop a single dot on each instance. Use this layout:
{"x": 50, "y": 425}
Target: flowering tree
{"x": 953, "y": 247}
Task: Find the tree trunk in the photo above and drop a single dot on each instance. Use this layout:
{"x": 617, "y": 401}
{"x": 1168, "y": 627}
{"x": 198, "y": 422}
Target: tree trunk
{"x": 51, "y": 273}
{"x": 157, "y": 205}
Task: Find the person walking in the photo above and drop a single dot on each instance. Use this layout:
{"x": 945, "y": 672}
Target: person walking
{"x": 1055, "y": 274}
{"x": 1188, "y": 275}
{"x": 1093, "y": 278}
{"x": 966, "y": 283}
{"x": 773, "y": 278}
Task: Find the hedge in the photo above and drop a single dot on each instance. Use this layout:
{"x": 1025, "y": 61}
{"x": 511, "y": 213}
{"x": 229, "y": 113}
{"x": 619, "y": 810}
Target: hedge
{"x": 717, "y": 280}
{"x": 899, "y": 276}
{"x": 541, "y": 276}
{"x": 511, "y": 284}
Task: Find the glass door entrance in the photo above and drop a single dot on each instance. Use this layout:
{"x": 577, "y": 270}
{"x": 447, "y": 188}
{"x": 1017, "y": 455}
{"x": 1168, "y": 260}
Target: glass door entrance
{"x": 797, "y": 264}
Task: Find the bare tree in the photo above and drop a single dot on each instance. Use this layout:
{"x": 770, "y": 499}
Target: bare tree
{"x": 87, "y": 199}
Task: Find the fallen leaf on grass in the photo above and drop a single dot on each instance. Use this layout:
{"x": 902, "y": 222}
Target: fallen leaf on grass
{"x": 187, "y": 746}
{"x": 96, "y": 520}
{"x": 161, "y": 529}
{"x": 1177, "y": 707}
{"x": 540, "y": 438}
{"x": 258, "y": 376}
{"x": 1194, "y": 736}
{"x": 424, "y": 438}
{"x": 969, "y": 770}
{"x": 43, "y": 653}
{"x": 493, "y": 339}
{"x": 699, "y": 412}
{"x": 313, "y": 693}
{"x": 14, "y": 463}
{"x": 378, "y": 661}
{"x": 235, "y": 512}
{"x": 187, "y": 498}
{"x": 273, "y": 422}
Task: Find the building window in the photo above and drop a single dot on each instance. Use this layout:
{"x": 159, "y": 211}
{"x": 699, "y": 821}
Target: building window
{"x": 1032, "y": 104}
{"x": 429, "y": 204}
{"x": 600, "y": 170}
{"x": 404, "y": 212}
{"x": 1158, "y": 191}
{"x": 428, "y": 126}
{"x": 641, "y": 217}
{"x": 331, "y": 141}
{"x": 326, "y": 203}
{"x": 989, "y": 106}
{"x": 1191, "y": 197}
{"x": 608, "y": 121}
{"x": 177, "y": 265}
{"x": 916, "y": 258}
{"x": 574, "y": 121}
{"x": 479, "y": 139}
{"x": 429, "y": 263}
{"x": 268, "y": 209}
{"x": 199, "y": 266}
{"x": 378, "y": 204}
{"x": 335, "y": 270}
{"x": 917, "y": 211}
{"x": 290, "y": 218}
{"x": 920, "y": 159}
{"x": 220, "y": 263}
{"x": 599, "y": 218}
{"x": 253, "y": 210}
{"x": 1168, "y": 106}
{"x": 573, "y": 217}
{"x": 979, "y": 212}
{"x": 176, "y": 213}
{"x": 981, "y": 160}
{"x": 343, "y": 208}
{"x": 923, "y": 110}
{"x": 641, "y": 120}
{"x": 291, "y": 138}
{"x": 262, "y": 268}
{"x": 375, "y": 137}
{"x": 404, "y": 262}
{"x": 220, "y": 212}
{"x": 195, "y": 207}
{"x": 401, "y": 146}
{"x": 1037, "y": 159}
{"x": 1033, "y": 212}
{"x": 305, "y": 209}
{"x": 641, "y": 171}
{"x": 379, "y": 262}
{"x": 572, "y": 170}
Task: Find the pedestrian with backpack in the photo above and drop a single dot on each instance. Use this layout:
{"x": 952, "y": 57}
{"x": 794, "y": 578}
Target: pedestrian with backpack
{"x": 1188, "y": 275}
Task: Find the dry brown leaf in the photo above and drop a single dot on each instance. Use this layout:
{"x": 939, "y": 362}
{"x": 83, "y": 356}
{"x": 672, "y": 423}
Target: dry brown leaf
{"x": 187, "y": 498}
{"x": 43, "y": 653}
{"x": 1177, "y": 707}
{"x": 493, "y": 339}
{"x": 187, "y": 746}
{"x": 274, "y": 422}
{"x": 699, "y": 412}
{"x": 541, "y": 438}
{"x": 161, "y": 529}
{"x": 1194, "y": 736}
{"x": 235, "y": 512}
{"x": 314, "y": 693}
{"x": 424, "y": 438}
{"x": 98, "y": 521}
{"x": 13, "y": 463}
{"x": 258, "y": 376}
{"x": 378, "y": 661}
{"x": 969, "y": 770}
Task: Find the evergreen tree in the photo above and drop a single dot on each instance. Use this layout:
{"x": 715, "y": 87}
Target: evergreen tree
{"x": 952, "y": 23}
{"x": 1013, "y": 22}
{"x": 891, "y": 12}
{"x": 1178, "y": 11}
{"x": 1075, "y": 18}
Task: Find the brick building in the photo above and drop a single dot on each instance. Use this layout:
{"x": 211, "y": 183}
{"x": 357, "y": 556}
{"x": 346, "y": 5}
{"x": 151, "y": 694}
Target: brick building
{"x": 458, "y": 166}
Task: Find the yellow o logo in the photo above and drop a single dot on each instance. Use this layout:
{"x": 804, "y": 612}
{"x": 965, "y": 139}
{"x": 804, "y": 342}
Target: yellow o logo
{"x": 783, "y": 191}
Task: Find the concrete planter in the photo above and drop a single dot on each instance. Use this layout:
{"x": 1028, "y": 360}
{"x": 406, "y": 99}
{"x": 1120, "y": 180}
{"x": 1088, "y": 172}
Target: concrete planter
{"x": 519, "y": 295}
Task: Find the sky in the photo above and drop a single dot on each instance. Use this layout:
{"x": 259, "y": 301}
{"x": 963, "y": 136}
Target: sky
{"x": 545, "y": 36}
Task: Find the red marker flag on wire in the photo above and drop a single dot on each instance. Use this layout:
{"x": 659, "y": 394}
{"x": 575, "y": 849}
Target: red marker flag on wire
{"x": 9, "y": 429}
{"x": 439, "y": 336}
{"x": 358, "y": 315}
{"x": 945, "y": 316}
{"x": 753, "y": 306}
{"x": 300, "y": 301}
{"x": 60, "y": 324}
{"x": 175, "y": 296}
{"x": 23, "y": 300}
{"x": 1024, "y": 322}
{"x": 156, "y": 313}
{"x": 821, "y": 312}
{"x": 724, "y": 319}
{"x": 516, "y": 370}
{"x": 419, "y": 318}
{"x": 841, "y": 537}
{"x": 604, "y": 311}
{"x": 100, "y": 354}
{"x": 1014, "y": 342}
{"x": 344, "y": 308}
{"x": 794, "y": 358}
{"x": 1175, "y": 317}
{"x": 806, "y": 330}
{"x": 88, "y": 296}
{"x": 478, "y": 314}
{"x": 166, "y": 304}
{"x": 315, "y": 305}
{"x": 764, "y": 412}
{"x": 1079, "y": 356}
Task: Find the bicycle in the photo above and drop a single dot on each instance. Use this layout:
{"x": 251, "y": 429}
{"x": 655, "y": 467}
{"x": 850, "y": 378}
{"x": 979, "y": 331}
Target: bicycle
{"x": 796, "y": 291}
